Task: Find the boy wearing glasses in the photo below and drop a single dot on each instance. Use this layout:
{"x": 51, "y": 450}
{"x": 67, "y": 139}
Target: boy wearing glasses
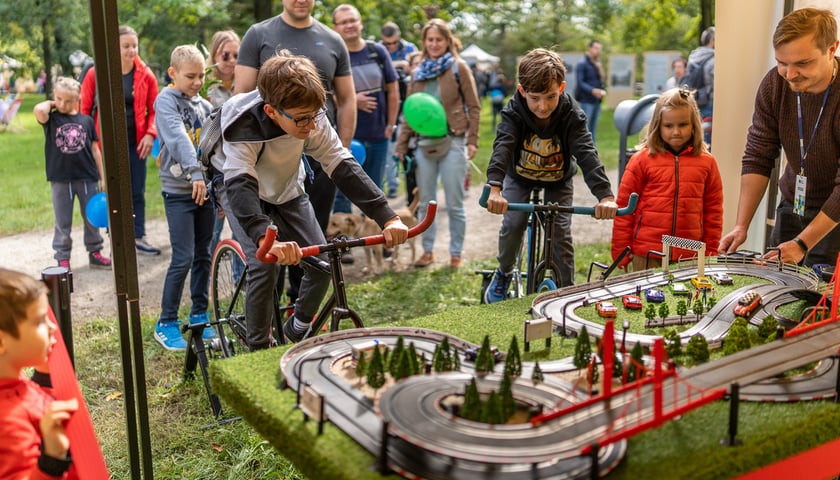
{"x": 264, "y": 133}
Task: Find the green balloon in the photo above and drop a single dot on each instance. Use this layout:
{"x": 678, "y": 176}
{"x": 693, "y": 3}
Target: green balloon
{"x": 424, "y": 113}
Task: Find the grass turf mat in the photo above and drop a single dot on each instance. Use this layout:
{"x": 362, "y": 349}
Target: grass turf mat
{"x": 687, "y": 448}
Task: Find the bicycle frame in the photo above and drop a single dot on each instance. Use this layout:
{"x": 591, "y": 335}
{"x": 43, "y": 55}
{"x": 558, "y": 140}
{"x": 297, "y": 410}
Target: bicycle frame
{"x": 542, "y": 216}
{"x": 337, "y": 306}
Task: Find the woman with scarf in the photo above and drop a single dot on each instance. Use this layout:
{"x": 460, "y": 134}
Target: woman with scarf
{"x": 446, "y": 76}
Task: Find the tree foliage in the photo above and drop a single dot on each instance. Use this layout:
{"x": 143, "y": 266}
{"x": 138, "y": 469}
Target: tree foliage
{"x": 583, "y": 349}
{"x": 698, "y": 349}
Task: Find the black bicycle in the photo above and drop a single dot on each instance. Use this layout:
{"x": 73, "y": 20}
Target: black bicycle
{"x": 542, "y": 273}
{"x": 227, "y": 291}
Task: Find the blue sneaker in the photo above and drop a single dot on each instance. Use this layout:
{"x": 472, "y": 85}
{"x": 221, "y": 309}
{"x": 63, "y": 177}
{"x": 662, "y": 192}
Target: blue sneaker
{"x": 497, "y": 290}
{"x": 169, "y": 335}
{"x": 209, "y": 332}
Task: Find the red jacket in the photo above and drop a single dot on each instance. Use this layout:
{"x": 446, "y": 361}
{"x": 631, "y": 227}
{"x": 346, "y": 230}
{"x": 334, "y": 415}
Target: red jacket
{"x": 22, "y": 404}
{"x": 690, "y": 207}
{"x": 145, "y": 92}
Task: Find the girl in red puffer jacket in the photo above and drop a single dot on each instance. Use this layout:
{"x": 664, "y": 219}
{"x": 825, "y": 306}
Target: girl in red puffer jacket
{"x": 678, "y": 182}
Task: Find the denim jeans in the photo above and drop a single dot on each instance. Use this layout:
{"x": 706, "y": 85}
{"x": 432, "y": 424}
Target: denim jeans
{"x": 63, "y": 195}
{"x": 376, "y": 155}
{"x": 592, "y": 111}
{"x": 515, "y": 224}
{"x": 190, "y": 232}
{"x": 137, "y": 170}
{"x": 452, "y": 171}
{"x": 392, "y": 169}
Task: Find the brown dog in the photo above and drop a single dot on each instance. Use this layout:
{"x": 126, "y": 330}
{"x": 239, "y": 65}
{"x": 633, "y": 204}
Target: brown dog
{"x": 357, "y": 226}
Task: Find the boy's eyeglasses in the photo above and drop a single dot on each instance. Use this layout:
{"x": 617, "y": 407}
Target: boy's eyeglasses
{"x": 301, "y": 122}
{"x": 227, "y": 56}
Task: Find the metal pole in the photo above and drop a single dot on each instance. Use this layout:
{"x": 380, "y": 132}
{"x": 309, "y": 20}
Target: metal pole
{"x": 60, "y": 282}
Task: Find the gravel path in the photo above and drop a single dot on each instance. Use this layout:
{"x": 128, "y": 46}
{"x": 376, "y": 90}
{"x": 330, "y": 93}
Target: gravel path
{"x": 94, "y": 290}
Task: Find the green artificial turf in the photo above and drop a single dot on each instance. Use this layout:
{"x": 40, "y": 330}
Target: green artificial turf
{"x": 685, "y": 448}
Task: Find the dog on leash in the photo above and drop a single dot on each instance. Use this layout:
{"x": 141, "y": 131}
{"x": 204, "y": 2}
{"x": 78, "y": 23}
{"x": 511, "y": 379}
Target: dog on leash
{"x": 357, "y": 226}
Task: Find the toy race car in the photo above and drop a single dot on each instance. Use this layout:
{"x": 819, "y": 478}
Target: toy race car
{"x": 631, "y": 302}
{"x": 654, "y": 295}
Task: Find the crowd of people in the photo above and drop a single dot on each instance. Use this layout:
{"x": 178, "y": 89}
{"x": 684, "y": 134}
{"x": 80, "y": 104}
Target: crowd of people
{"x": 544, "y": 136}
{"x": 288, "y": 115}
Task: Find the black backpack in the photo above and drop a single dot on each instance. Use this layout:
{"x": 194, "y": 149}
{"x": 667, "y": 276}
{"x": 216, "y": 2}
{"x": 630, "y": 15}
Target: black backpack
{"x": 695, "y": 79}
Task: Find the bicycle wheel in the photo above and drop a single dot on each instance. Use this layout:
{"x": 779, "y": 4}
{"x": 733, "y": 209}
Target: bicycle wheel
{"x": 227, "y": 290}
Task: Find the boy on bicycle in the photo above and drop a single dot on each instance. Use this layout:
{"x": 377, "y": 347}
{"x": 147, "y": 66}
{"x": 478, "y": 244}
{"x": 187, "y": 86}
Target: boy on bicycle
{"x": 540, "y": 141}
{"x": 264, "y": 134}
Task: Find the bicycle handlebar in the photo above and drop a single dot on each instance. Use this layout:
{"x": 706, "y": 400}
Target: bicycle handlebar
{"x": 530, "y": 207}
{"x": 312, "y": 250}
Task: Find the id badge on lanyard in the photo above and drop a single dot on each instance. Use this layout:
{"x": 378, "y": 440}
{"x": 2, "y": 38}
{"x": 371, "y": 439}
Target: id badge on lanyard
{"x": 799, "y": 195}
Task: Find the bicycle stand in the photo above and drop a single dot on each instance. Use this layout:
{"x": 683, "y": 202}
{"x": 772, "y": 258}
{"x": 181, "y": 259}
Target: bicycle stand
{"x": 197, "y": 357}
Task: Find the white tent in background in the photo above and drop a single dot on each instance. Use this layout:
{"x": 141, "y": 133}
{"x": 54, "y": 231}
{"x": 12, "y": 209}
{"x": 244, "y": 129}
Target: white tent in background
{"x": 474, "y": 54}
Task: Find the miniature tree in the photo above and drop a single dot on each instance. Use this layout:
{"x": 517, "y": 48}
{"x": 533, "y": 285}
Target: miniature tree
{"x": 767, "y": 328}
{"x": 471, "y": 409}
{"x": 592, "y": 373}
{"x": 664, "y": 311}
{"x": 437, "y": 360}
{"x": 697, "y": 308}
{"x": 634, "y": 369}
{"x": 583, "y": 349}
{"x": 513, "y": 362}
{"x": 403, "y": 369}
{"x": 361, "y": 366}
{"x": 485, "y": 362}
{"x": 737, "y": 339}
{"x": 698, "y": 349}
{"x": 710, "y": 302}
{"x": 455, "y": 359}
{"x": 673, "y": 343}
{"x": 394, "y": 360}
{"x": 413, "y": 361}
{"x": 682, "y": 309}
{"x": 650, "y": 311}
{"x": 506, "y": 398}
{"x": 376, "y": 370}
{"x": 446, "y": 351}
{"x": 492, "y": 412}
{"x": 537, "y": 374}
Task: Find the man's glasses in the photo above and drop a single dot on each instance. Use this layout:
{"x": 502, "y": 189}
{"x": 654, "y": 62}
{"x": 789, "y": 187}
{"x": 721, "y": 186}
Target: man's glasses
{"x": 389, "y": 44}
{"x": 301, "y": 122}
{"x": 227, "y": 56}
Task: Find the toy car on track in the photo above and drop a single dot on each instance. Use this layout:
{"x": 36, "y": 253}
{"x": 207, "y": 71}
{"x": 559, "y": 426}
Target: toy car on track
{"x": 606, "y": 309}
{"x": 654, "y": 295}
{"x": 721, "y": 278}
{"x": 747, "y": 304}
{"x": 678, "y": 288}
{"x": 631, "y": 302}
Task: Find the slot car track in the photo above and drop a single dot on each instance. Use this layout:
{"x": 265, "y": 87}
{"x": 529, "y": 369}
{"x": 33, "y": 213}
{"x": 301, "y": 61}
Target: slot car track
{"x": 424, "y": 440}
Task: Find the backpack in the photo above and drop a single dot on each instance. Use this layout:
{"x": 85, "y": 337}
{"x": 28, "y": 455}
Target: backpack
{"x": 210, "y": 142}
{"x": 695, "y": 79}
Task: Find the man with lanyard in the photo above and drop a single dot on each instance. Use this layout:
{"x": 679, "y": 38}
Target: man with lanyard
{"x": 796, "y": 109}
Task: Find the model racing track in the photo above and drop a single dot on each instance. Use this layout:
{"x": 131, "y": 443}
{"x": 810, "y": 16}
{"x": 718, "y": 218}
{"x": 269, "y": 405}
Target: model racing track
{"x": 427, "y": 441}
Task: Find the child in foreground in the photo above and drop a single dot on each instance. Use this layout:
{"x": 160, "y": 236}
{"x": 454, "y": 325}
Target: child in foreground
{"x": 678, "y": 182}
{"x": 74, "y": 168}
{"x": 189, "y": 213}
{"x": 541, "y": 141}
{"x": 35, "y": 445}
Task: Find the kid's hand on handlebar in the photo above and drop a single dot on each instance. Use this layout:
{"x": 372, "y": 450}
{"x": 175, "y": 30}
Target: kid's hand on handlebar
{"x": 395, "y": 232}
{"x": 606, "y": 209}
{"x": 284, "y": 253}
{"x": 496, "y": 203}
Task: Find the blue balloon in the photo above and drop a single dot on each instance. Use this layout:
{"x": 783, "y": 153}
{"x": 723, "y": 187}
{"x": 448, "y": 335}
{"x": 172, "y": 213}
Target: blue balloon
{"x": 156, "y": 148}
{"x": 358, "y": 151}
{"x": 97, "y": 210}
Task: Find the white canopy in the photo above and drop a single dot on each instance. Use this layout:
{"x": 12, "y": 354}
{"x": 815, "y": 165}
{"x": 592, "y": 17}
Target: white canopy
{"x": 474, "y": 53}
